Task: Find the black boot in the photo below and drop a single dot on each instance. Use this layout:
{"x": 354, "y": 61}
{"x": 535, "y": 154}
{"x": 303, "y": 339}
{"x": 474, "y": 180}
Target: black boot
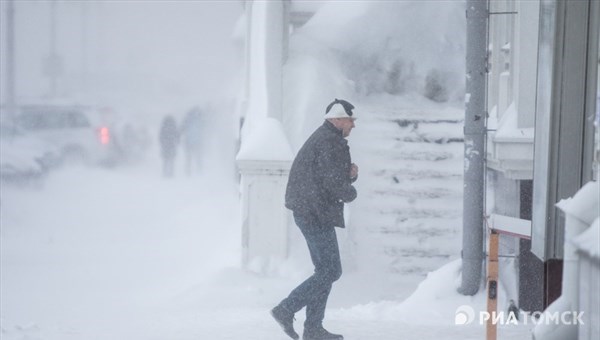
{"x": 320, "y": 333}
{"x": 285, "y": 319}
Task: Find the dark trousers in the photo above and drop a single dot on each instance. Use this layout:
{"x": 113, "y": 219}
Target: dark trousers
{"x": 314, "y": 291}
{"x": 168, "y": 166}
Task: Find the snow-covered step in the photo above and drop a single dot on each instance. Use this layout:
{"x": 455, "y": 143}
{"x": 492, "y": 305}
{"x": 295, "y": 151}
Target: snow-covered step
{"x": 410, "y": 189}
{"x": 434, "y": 131}
{"x": 406, "y": 214}
{"x": 416, "y": 194}
{"x": 421, "y": 155}
{"x": 415, "y": 173}
{"x": 421, "y": 138}
{"x": 404, "y": 122}
{"x": 416, "y": 231}
{"x": 410, "y": 152}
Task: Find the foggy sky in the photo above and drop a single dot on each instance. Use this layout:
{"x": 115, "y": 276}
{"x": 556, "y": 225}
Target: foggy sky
{"x": 136, "y": 54}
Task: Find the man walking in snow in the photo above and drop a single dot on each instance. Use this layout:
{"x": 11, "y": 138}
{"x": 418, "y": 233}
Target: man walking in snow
{"x": 319, "y": 184}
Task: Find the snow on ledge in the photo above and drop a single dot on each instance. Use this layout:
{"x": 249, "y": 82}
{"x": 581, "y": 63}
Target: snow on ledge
{"x": 265, "y": 142}
{"x": 587, "y": 242}
{"x": 584, "y": 204}
{"x": 508, "y": 130}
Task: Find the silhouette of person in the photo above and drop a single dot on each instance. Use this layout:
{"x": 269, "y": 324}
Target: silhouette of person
{"x": 191, "y": 132}
{"x": 169, "y": 140}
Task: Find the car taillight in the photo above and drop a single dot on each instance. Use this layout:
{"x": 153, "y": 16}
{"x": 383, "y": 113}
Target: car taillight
{"x": 104, "y": 135}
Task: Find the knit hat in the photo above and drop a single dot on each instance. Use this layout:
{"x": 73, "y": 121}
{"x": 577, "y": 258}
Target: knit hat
{"x": 339, "y": 108}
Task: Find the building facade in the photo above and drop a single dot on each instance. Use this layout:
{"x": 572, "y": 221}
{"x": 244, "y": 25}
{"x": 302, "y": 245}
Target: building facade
{"x": 542, "y": 144}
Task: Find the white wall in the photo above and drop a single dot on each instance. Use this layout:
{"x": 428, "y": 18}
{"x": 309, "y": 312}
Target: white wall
{"x": 513, "y": 62}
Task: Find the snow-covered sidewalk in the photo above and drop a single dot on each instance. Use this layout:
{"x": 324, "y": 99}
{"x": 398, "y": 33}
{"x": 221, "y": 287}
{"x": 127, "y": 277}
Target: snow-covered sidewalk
{"x": 96, "y": 254}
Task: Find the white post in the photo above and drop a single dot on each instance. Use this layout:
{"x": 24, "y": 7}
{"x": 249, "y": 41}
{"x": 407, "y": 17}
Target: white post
{"x": 264, "y": 217}
{"x": 264, "y": 162}
{"x": 265, "y": 155}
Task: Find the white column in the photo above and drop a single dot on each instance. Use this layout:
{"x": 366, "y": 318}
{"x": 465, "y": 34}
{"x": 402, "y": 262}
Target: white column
{"x": 264, "y": 217}
{"x": 265, "y": 156}
{"x": 264, "y": 161}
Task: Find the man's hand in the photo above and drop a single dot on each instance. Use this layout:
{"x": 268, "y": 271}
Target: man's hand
{"x": 353, "y": 170}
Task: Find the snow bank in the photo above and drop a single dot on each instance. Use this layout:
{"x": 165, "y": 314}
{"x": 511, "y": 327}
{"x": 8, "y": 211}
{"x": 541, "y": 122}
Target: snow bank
{"x": 435, "y": 301}
{"x": 20, "y": 156}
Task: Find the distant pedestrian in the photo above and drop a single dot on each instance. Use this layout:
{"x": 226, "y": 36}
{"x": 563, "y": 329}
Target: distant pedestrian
{"x": 191, "y": 132}
{"x": 169, "y": 140}
{"x": 319, "y": 184}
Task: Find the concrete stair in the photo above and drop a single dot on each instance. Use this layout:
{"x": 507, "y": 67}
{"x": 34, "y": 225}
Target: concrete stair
{"x": 410, "y": 185}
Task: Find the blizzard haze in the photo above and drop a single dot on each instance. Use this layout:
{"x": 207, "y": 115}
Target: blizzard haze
{"x": 134, "y": 54}
{"x": 84, "y": 248}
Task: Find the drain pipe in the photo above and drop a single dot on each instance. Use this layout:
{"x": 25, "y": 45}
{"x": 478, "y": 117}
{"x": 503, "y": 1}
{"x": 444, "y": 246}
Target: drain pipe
{"x": 474, "y": 131}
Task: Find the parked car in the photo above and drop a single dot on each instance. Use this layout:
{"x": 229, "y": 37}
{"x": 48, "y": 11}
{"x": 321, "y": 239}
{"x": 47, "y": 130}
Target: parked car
{"x": 71, "y": 131}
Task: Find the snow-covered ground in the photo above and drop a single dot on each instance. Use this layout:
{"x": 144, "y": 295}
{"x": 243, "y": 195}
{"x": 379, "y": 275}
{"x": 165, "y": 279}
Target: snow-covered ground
{"x": 100, "y": 254}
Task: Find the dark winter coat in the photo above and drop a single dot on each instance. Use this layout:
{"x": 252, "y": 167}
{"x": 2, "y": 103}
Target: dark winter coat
{"x": 169, "y": 138}
{"x": 319, "y": 183}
